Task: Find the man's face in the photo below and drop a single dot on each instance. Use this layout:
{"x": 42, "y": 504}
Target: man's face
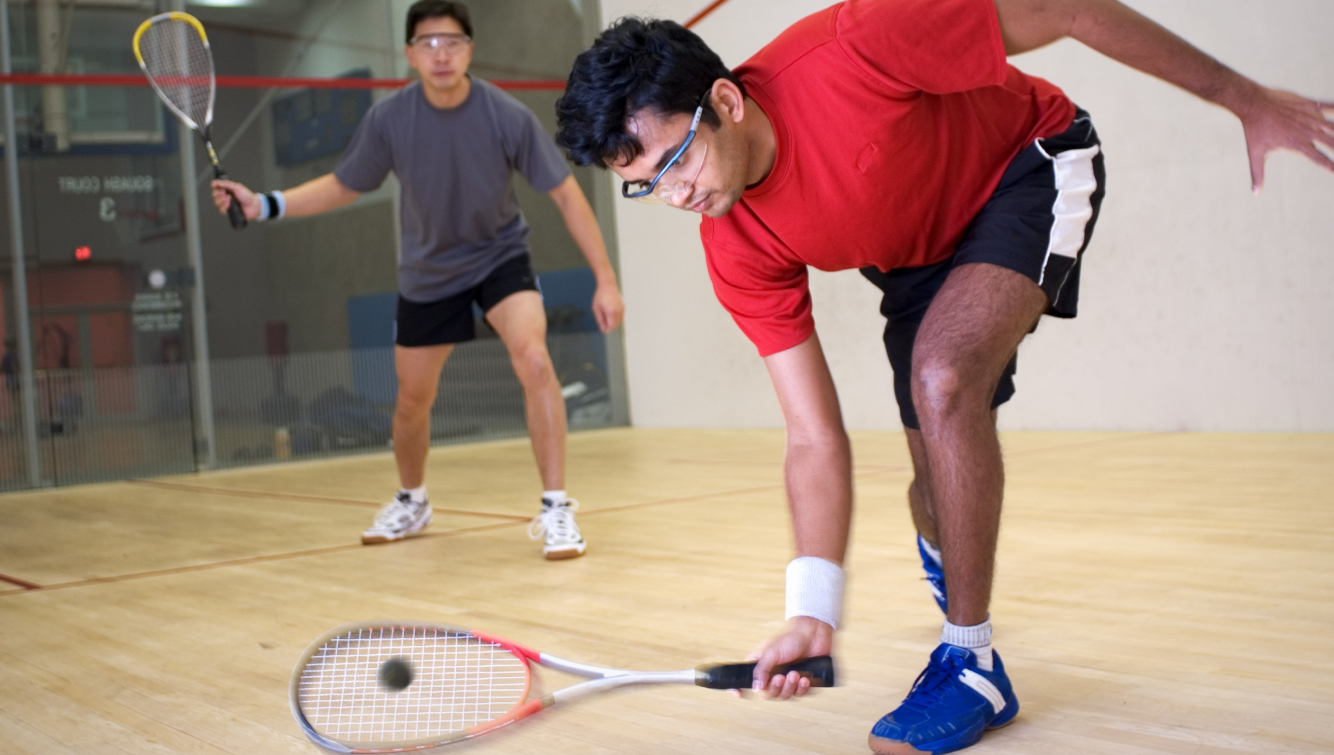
{"x": 708, "y": 178}
{"x": 441, "y": 53}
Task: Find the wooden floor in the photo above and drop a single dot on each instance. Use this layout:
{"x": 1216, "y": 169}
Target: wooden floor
{"x": 1162, "y": 593}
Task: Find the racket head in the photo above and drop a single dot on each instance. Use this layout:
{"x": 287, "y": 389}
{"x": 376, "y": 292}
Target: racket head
{"x": 464, "y": 684}
{"x": 172, "y": 49}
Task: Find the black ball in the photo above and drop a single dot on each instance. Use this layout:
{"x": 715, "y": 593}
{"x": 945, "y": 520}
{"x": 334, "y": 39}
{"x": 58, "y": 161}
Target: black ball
{"x": 395, "y": 674}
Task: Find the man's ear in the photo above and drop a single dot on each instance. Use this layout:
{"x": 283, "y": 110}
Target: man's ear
{"x": 727, "y": 101}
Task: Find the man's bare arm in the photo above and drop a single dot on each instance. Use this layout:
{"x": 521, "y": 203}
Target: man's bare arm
{"x": 818, "y": 462}
{"x": 310, "y": 198}
{"x": 1273, "y": 119}
{"x": 818, "y": 471}
{"x": 608, "y": 308}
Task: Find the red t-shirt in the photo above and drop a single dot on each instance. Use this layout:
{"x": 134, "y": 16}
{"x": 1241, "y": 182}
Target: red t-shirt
{"x": 894, "y": 121}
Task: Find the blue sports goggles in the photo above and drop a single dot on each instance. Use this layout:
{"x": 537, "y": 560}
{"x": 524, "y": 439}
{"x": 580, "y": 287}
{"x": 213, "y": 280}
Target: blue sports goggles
{"x": 641, "y": 189}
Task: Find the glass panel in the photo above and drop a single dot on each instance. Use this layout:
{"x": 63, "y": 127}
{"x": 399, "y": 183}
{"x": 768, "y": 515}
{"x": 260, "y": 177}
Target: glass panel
{"x": 109, "y": 293}
{"x": 300, "y": 312}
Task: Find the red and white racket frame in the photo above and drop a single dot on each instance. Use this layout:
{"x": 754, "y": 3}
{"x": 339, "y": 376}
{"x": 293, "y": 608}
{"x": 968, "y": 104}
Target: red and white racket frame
{"x": 602, "y": 678}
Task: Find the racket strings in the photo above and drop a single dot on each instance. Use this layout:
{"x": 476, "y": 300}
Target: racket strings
{"x": 179, "y": 65}
{"x": 459, "y": 682}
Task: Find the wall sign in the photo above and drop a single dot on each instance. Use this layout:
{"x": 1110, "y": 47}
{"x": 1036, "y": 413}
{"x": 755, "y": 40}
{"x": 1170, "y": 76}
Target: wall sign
{"x": 106, "y": 184}
{"x": 157, "y": 311}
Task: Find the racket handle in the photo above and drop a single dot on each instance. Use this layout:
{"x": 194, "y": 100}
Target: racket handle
{"x": 820, "y": 670}
{"x": 235, "y": 213}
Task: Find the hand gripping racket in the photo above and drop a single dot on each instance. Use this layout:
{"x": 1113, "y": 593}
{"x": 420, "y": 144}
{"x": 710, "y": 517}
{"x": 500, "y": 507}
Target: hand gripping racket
{"x": 173, "y": 51}
{"x": 462, "y": 683}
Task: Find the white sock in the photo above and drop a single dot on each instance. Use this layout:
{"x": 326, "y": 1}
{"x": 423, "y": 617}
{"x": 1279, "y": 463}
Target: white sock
{"x": 417, "y": 495}
{"x": 931, "y": 550}
{"x": 555, "y": 496}
{"x": 975, "y": 638}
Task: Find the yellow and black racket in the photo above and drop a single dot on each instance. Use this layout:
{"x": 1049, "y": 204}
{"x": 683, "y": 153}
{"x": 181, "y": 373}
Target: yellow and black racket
{"x": 172, "y": 48}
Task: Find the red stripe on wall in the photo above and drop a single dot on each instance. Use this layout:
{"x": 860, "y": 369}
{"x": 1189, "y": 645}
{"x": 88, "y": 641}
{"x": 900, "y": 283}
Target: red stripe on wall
{"x": 250, "y": 82}
{"x": 713, "y": 6}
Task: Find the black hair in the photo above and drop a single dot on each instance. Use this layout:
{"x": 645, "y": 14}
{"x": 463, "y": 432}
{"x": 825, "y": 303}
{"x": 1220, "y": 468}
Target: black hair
{"x": 635, "y": 64}
{"x": 424, "y": 9}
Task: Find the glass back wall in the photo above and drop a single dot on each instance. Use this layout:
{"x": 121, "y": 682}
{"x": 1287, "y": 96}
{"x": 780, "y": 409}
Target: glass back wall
{"x": 298, "y": 313}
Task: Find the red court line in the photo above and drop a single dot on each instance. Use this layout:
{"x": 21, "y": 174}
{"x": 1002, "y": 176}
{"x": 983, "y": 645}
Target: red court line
{"x": 252, "y": 82}
{"x": 19, "y": 582}
{"x": 244, "y": 493}
{"x": 354, "y": 546}
{"x": 257, "y": 559}
{"x": 713, "y": 6}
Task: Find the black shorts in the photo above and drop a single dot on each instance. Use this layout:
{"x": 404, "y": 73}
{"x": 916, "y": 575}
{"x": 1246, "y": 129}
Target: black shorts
{"x": 1037, "y": 222}
{"x": 450, "y": 320}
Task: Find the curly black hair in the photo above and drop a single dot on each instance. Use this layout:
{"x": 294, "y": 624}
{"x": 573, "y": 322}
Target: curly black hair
{"x": 635, "y": 64}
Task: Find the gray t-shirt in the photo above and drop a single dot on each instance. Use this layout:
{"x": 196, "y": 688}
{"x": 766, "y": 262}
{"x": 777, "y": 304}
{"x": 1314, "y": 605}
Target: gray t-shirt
{"x": 460, "y": 218}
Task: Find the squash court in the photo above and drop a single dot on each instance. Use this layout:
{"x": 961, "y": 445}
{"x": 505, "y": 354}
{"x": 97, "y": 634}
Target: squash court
{"x": 1156, "y": 593}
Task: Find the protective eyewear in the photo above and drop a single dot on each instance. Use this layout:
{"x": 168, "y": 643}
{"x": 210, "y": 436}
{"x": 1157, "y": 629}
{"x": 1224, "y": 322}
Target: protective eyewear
{"x": 657, "y": 190}
{"x": 450, "y": 43}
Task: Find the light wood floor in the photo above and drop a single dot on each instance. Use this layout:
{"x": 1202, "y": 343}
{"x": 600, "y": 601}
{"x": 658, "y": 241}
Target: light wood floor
{"x": 1160, "y": 593}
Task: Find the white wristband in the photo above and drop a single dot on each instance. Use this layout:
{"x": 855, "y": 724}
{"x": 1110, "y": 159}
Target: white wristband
{"x": 272, "y": 205}
{"x": 815, "y": 589}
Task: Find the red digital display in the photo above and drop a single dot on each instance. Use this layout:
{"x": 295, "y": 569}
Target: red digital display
{"x": 83, "y": 253}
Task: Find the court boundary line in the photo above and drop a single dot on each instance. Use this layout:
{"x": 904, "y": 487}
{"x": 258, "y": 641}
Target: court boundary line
{"x": 256, "y": 82}
{"x": 354, "y": 546}
{"x": 170, "y": 571}
{"x": 700, "y": 16}
{"x": 302, "y": 498}
{"x": 463, "y": 530}
{"x": 19, "y": 582}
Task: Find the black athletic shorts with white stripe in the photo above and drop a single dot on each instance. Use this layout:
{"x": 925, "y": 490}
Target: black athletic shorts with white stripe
{"x": 1037, "y": 222}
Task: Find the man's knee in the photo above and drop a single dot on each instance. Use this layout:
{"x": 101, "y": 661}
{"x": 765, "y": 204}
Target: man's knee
{"x": 414, "y": 397}
{"x": 532, "y": 363}
{"x": 943, "y": 386}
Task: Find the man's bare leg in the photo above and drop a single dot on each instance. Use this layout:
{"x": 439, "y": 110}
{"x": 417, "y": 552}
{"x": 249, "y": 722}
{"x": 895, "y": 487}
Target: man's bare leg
{"x": 521, "y": 322}
{"x": 920, "y": 502}
{"x": 973, "y": 327}
{"x": 919, "y": 490}
{"x": 418, "y": 370}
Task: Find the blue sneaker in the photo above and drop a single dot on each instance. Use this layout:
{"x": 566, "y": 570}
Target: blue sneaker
{"x": 935, "y": 575}
{"x": 950, "y": 705}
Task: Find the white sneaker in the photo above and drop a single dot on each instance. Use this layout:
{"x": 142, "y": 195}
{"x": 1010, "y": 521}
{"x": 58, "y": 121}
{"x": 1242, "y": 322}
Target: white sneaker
{"x": 398, "y": 519}
{"x": 562, "y": 535}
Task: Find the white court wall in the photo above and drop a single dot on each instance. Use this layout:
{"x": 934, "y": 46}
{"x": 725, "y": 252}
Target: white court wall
{"x": 1203, "y": 307}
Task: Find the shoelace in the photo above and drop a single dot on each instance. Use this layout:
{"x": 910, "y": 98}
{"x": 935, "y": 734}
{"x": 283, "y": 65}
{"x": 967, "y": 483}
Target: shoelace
{"x": 393, "y": 512}
{"x": 930, "y": 685}
{"x": 558, "y": 520}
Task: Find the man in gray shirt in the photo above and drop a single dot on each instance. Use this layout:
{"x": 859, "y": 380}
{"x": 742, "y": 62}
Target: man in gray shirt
{"x": 454, "y": 143}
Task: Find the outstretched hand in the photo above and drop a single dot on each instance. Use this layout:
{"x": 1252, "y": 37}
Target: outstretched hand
{"x": 224, "y": 190}
{"x": 803, "y": 637}
{"x": 1274, "y": 119}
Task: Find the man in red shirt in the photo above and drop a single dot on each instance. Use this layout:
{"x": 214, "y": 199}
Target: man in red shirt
{"x": 893, "y": 137}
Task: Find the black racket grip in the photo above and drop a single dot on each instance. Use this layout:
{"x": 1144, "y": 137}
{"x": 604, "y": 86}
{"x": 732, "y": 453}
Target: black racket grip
{"x": 234, "y": 211}
{"x": 820, "y": 670}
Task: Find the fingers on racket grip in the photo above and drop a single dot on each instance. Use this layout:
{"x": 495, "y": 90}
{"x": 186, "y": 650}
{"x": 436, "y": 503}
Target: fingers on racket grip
{"x": 820, "y": 670}
{"x": 236, "y": 214}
